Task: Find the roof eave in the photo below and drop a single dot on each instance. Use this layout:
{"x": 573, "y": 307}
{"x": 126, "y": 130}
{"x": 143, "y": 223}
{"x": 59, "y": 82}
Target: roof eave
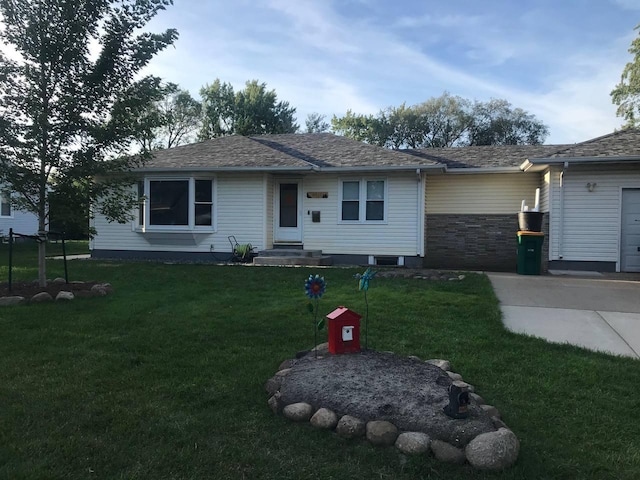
{"x": 562, "y": 160}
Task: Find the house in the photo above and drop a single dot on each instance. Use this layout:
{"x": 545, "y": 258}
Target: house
{"x": 441, "y": 208}
{"x": 21, "y": 222}
{"x": 358, "y": 203}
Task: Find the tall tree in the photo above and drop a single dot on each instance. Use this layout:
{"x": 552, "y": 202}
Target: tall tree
{"x": 626, "y": 94}
{"x": 316, "y": 123}
{"x": 69, "y": 111}
{"x": 251, "y": 111}
{"x": 445, "y": 121}
{"x": 496, "y": 123}
{"x": 171, "y": 120}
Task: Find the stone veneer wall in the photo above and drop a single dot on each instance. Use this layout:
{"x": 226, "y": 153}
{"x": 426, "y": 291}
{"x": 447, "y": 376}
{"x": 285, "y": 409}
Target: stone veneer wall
{"x": 475, "y": 242}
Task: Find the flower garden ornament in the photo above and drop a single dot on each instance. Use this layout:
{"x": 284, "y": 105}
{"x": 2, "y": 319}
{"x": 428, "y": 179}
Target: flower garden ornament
{"x": 314, "y": 288}
{"x": 363, "y": 285}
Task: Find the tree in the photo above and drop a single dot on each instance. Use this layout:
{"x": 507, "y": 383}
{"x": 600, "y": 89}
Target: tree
{"x": 626, "y": 94}
{"x": 68, "y": 111}
{"x": 252, "y": 111}
{"x": 170, "y": 121}
{"x": 316, "y": 123}
{"x": 496, "y": 123}
{"x": 445, "y": 121}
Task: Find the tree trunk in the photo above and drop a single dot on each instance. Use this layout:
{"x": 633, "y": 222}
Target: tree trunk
{"x": 42, "y": 265}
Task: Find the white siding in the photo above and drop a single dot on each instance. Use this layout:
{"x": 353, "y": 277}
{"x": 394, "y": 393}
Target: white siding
{"x": 497, "y": 193}
{"x": 21, "y": 222}
{"x": 398, "y": 236}
{"x": 239, "y": 210}
{"x": 545, "y": 189}
{"x": 588, "y": 226}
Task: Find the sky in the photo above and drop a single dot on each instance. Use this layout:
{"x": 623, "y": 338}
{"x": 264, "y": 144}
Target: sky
{"x": 556, "y": 59}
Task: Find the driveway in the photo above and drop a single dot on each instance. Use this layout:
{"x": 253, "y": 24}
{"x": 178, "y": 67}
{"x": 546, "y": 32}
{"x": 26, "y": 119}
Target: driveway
{"x": 596, "y": 312}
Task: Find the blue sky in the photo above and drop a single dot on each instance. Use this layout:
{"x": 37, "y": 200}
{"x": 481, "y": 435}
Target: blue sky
{"x": 557, "y": 59}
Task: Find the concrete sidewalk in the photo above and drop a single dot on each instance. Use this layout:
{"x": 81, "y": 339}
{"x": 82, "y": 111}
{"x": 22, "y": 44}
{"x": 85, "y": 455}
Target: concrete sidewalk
{"x": 596, "y": 313}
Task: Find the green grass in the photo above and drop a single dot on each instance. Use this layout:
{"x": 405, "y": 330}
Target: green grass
{"x": 164, "y": 379}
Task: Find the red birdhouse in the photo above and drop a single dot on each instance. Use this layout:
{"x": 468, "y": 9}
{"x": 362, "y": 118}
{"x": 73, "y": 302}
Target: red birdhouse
{"x": 344, "y": 331}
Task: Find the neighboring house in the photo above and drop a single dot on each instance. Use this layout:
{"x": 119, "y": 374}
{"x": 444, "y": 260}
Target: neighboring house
{"x": 21, "y": 222}
{"x": 441, "y": 208}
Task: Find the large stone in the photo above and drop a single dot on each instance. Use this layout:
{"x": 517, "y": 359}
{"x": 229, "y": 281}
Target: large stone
{"x": 413, "y": 443}
{"x": 493, "y": 451}
{"x": 324, "y": 418}
{"x": 440, "y": 363}
{"x": 64, "y": 296}
{"x": 41, "y": 297}
{"x": 274, "y": 402}
{"x": 9, "y": 301}
{"x": 99, "y": 289}
{"x": 59, "y": 281}
{"x": 298, "y": 412}
{"x": 288, "y": 363}
{"x": 445, "y": 452}
{"x": 381, "y": 432}
{"x": 464, "y": 385}
{"x": 273, "y": 385}
{"x": 283, "y": 373}
{"x": 454, "y": 376}
{"x": 491, "y": 410}
{"x": 477, "y": 398}
{"x": 350, "y": 427}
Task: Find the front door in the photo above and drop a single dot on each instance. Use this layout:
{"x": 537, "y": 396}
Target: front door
{"x": 288, "y": 211}
{"x": 630, "y": 234}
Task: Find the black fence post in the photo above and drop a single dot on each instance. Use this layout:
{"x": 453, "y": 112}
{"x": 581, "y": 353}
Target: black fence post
{"x": 10, "y": 257}
{"x": 64, "y": 257}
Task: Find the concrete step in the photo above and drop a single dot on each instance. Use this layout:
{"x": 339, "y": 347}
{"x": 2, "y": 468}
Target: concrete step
{"x": 291, "y": 260}
{"x": 290, "y": 252}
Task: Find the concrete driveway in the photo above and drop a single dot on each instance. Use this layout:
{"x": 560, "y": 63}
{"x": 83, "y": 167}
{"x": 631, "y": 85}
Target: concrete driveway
{"x": 595, "y": 312}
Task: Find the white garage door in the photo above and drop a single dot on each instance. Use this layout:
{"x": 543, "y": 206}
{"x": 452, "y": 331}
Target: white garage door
{"x": 630, "y": 238}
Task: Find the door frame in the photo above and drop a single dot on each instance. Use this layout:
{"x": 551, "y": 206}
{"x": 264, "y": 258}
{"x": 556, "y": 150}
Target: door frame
{"x": 287, "y": 234}
{"x": 621, "y": 266}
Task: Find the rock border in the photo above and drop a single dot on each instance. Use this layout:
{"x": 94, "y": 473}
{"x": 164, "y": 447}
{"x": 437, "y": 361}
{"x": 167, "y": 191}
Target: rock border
{"x": 492, "y": 451}
{"x": 63, "y": 296}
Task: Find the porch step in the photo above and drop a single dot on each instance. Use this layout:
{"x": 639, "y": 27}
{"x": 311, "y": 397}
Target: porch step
{"x": 292, "y": 256}
{"x": 290, "y": 252}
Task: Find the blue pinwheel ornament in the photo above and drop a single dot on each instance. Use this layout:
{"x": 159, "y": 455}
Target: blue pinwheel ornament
{"x": 364, "y": 279}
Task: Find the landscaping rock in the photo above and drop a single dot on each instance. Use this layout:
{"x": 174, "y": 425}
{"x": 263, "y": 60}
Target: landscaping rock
{"x": 273, "y": 385}
{"x": 298, "y": 412}
{"x": 477, "y": 398}
{"x": 288, "y": 363}
{"x": 498, "y": 423}
{"x": 381, "y": 432}
{"x": 59, "y": 280}
{"x": 454, "y": 376}
{"x": 464, "y": 385}
{"x": 493, "y": 451}
{"x": 446, "y": 452}
{"x": 413, "y": 443}
{"x": 64, "y": 296}
{"x": 41, "y": 297}
{"x": 414, "y": 357}
{"x": 491, "y": 410}
{"x": 274, "y": 403}
{"x": 350, "y": 427}
{"x": 438, "y": 362}
{"x": 9, "y": 301}
{"x": 324, "y": 418}
{"x": 283, "y": 373}
{"x": 100, "y": 290}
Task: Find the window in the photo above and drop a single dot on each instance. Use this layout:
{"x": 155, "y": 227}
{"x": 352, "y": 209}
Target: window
{"x": 5, "y": 206}
{"x": 363, "y": 200}
{"x": 176, "y": 203}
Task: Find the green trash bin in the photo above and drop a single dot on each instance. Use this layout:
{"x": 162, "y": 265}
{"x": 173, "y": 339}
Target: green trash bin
{"x": 530, "y": 252}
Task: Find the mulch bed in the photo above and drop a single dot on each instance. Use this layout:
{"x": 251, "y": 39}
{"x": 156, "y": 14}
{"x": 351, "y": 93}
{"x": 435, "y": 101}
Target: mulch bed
{"x": 29, "y": 289}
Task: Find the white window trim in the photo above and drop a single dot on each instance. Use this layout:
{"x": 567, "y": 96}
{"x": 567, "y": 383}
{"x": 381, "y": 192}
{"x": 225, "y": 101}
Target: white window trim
{"x": 191, "y": 227}
{"x": 362, "y": 213}
{"x": 4, "y": 199}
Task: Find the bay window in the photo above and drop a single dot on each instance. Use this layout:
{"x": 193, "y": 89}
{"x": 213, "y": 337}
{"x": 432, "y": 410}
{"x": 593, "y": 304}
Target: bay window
{"x": 176, "y": 203}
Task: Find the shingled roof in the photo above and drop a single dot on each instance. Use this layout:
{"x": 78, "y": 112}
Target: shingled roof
{"x": 496, "y": 156}
{"x": 624, "y": 143}
{"x": 317, "y": 151}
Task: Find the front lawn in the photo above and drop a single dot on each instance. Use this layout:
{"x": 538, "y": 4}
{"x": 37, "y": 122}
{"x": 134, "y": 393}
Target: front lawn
{"x": 164, "y": 378}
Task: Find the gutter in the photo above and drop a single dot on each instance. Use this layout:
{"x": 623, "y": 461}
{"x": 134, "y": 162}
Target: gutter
{"x": 473, "y": 170}
{"x": 390, "y": 168}
{"x": 527, "y": 164}
{"x": 561, "y": 219}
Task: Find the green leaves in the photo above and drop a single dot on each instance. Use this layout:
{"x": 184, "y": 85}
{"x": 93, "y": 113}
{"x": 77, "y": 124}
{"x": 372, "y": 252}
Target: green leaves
{"x": 627, "y": 93}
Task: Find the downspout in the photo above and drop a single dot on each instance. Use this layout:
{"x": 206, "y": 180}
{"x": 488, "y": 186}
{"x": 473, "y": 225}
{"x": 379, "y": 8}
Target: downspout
{"x": 420, "y": 210}
{"x": 561, "y": 219}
